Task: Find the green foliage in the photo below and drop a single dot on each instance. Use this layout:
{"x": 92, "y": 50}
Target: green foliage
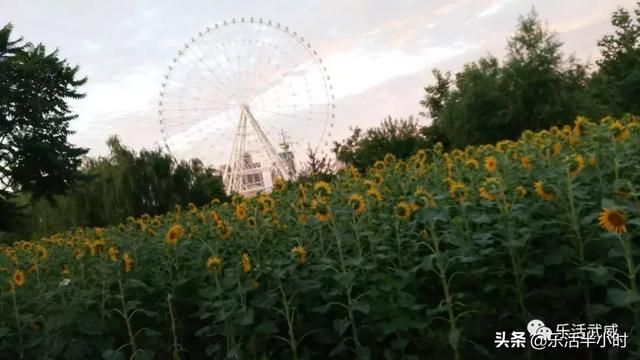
{"x": 35, "y": 156}
{"x": 616, "y": 85}
{"x": 477, "y": 250}
{"x": 400, "y": 137}
{"x": 124, "y": 184}
{"x": 316, "y": 168}
{"x": 487, "y": 101}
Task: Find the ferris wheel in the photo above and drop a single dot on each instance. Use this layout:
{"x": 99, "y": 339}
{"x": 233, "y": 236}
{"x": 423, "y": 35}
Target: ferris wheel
{"x": 250, "y": 96}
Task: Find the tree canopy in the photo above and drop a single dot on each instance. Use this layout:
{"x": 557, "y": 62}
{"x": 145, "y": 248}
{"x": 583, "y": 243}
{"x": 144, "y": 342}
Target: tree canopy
{"x": 532, "y": 88}
{"x": 400, "y": 137}
{"x": 36, "y": 157}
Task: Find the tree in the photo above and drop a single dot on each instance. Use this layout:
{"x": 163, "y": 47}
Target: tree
{"x": 35, "y": 155}
{"x": 616, "y": 85}
{"x": 400, "y": 137}
{"x": 126, "y": 183}
{"x": 316, "y": 168}
{"x": 487, "y": 101}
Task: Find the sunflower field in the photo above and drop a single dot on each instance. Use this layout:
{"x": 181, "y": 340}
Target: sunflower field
{"x": 423, "y": 258}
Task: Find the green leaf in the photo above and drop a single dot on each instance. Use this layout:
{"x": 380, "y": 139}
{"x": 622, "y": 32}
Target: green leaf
{"x": 247, "y": 318}
{"x": 345, "y": 279}
{"x": 623, "y": 298}
{"x": 266, "y": 328}
{"x": 340, "y": 325}
{"x": 598, "y": 270}
{"x": 3, "y": 332}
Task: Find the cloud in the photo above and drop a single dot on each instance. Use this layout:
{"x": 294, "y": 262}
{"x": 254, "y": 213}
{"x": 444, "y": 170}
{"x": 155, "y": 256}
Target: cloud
{"x": 358, "y": 69}
{"x": 131, "y": 92}
{"x": 494, "y": 8}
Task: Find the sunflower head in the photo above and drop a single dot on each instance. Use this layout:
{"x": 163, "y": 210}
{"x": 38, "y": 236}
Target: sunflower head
{"x": 113, "y": 253}
{"x": 225, "y": 230}
{"x": 240, "y": 211}
{"x": 357, "y": 203}
{"x": 490, "y": 164}
{"x": 300, "y": 253}
{"x": 619, "y": 131}
{"x": 246, "y": 263}
{"x": 375, "y": 193}
{"x": 174, "y": 234}
{"x": 323, "y": 213}
{"x": 576, "y": 164}
{"x": 279, "y": 184}
{"x": 556, "y": 148}
{"x": 612, "y": 220}
{"x": 127, "y": 262}
{"x": 542, "y": 192}
{"x": 526, "y": 162}
{"x": 472, "y": 163}
{"x": 322, "y": 188}
{"x": 214, "y": 263}
{"x": 457, "y": 190}
{"x": 521, "y": 191}
{"x": 389, "y": 158}
{"x": 403, "y": 210}
{"x": 18, "y": 278}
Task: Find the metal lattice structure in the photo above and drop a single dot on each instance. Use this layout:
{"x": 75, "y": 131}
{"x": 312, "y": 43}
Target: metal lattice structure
{"x": 236, "y": 86}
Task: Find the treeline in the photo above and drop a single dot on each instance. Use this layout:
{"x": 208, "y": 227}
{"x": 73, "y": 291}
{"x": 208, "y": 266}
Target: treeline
{"x": 534, "y": 87}
{"x": 124, "y": 183}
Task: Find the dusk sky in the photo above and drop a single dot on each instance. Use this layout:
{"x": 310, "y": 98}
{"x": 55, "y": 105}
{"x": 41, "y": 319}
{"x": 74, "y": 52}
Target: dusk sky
{"x": 379, "y": 53}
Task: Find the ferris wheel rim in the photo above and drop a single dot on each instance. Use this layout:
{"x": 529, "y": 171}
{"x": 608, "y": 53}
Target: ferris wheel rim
{"x": 318, "y": 63}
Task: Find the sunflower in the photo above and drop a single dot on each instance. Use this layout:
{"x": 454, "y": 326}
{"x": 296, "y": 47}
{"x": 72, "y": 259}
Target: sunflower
{"x": 612, "y": 220}
{"x": 251, "y": 221}
{"x": 375, "y": 193}
{"x": 225, "y": 230}
{"x": 279, "y": 184}
{"x": 43, "y": 254}
{"x": 301, "y": 253}
{"x": 472, "y": 163}
{"x": 490, "y": 164}
{"x": 213, "y": 215}
{"x": 99, "y": 231}
{"x": 240, "y": 211}
{"x": 526, "y": 163}
{"x": 322, "y": 188}
{"x": 619, "y": 131}
{"x": 323, "y": 213}
{"x": 113, "y": 253}
{"x": 265, "y": 204}
{"x": 357, "y": 203}
{"x": 423, "y": 198}
{"x": 214, "y": 263}
{"x": 457, "y": 190}
{"x": 353, "y": 172}
{"x": 65, "y": 270}
{"x": 174, "y": 234}
{"x": 556, "y": 148}
{"x": 403, "y": 210}
{"x": 127, "y": 262}
{"x": 580, "y": 126}
{"x": 246, "y": 263}
{"x": 421, "y": 156}
{"x": 215, "y": 201}
{"x": 576, "y": 164}
{"x": 19, "y": 278}
{"x": 389, "y": 158}
{"x": 541, "y": 192}
{"x": 486, "y": 195}
{"x": 521, "y": 191}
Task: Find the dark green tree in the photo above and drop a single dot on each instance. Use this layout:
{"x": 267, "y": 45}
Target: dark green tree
{"x": 36, "y": 157}
{"x": 616, "y": 84}
{"x": 535, "y": 87}
{"x": 126, "y": 183}
{"x": 400, "y": 137}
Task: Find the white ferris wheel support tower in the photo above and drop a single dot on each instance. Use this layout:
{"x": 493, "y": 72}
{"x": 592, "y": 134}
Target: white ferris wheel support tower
{"x": 238, "y": 166}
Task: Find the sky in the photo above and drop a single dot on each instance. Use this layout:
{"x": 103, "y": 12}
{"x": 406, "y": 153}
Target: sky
{"x": 378, "y": 53}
